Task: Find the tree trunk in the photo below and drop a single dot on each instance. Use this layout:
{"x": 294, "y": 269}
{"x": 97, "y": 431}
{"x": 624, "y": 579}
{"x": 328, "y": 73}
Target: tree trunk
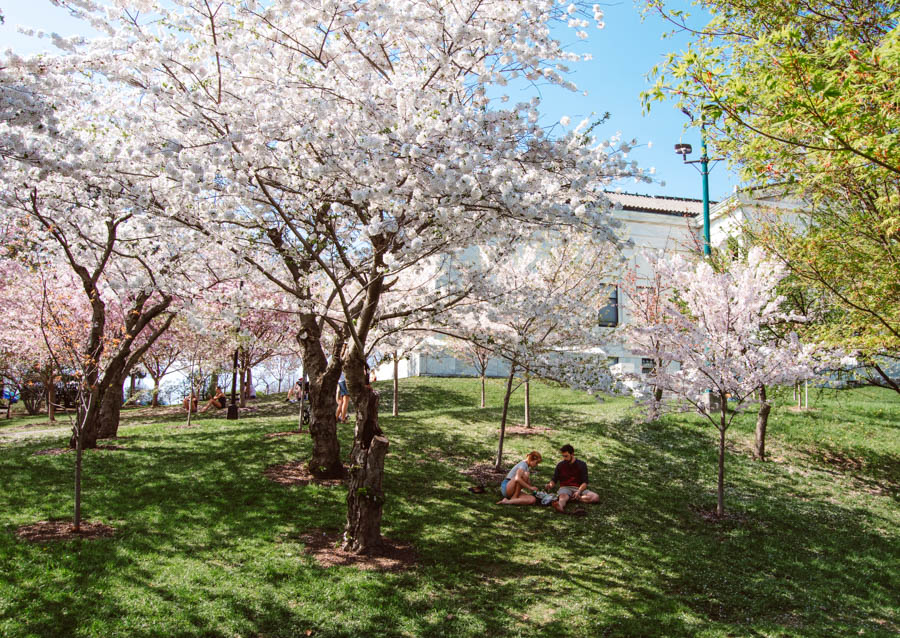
{"x": 325, "y": 461}
{"x": 395, "y": 407}
{"x": 154, "y": 400}
{"x": 509, "y": 382}
{"x": 762, "y": 421}
{"x": 132, "y": 387}
{"x": 89, "y": 417}
{"x": 78, "y": 434}
{"x": 527, "y": 403}
{"x": 242, "y": 381}
{"x": 51, "y": 400}
{"x": 482, "y": 390}
{"x": 111, "y": 409}
{"x": 720, "y": 502}
{"x": 365, "y": 496}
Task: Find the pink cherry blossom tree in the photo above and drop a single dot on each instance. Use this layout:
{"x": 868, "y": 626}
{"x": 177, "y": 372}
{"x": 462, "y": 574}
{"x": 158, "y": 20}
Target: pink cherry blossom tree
{"x": 713, "y": 325}
{"x": 538, "y": 312}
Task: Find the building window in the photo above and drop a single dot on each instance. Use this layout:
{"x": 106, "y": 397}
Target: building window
{"x": 646, "y": 365}
{"x": 612, "y": 361}
{"x": 608, "y": 316}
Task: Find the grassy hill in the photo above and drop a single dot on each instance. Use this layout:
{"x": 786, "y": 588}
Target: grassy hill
{"x": 206, "y": 545}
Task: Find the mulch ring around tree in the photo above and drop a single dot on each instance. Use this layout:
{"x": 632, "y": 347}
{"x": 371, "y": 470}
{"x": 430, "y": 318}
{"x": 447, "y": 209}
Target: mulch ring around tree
{"x": 392, "y": 556}
{"x": 272, "y": 435}
{"x": 63, "y": 530}
{"x": 485, "y": 474}
{"x": 521, "y": 429}
{"x": 53, "y": 451}
{"x": 296, "y": 473}
{"x": 56, "y": 451}
{"x": 708, "y": 515}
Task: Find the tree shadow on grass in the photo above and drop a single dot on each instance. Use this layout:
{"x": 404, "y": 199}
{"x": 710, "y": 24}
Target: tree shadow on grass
{"x": 772, "y": 565}
{"x": 642, "y": 562}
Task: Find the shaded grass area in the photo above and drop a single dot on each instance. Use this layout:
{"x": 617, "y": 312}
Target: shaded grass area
{"x": 206, "y": 546}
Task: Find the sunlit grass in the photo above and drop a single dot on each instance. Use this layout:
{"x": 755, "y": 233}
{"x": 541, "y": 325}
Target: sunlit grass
{"x": 206, "y": 546}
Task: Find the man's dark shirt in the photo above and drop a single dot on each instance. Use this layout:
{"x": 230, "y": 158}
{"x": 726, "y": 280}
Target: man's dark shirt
{"x": 570, "y": 474}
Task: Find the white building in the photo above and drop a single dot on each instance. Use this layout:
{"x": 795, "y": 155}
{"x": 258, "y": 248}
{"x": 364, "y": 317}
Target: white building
{"x": 651, "y": 222}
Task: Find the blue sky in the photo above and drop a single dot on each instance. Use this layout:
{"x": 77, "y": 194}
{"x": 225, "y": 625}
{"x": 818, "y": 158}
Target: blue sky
{"x": 622, "y": 53}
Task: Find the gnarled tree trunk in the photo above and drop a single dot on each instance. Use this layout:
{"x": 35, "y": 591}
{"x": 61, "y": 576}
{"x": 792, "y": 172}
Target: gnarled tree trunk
{"x": 111, "y": 409}
{"x": 365, "y": 496}
{"x": 323, "y": 380}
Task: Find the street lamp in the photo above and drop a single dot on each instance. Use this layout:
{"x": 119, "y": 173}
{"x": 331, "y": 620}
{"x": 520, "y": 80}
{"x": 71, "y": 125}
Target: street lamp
{"x": 684, "y": 150}
{"x": 232, "y": 414}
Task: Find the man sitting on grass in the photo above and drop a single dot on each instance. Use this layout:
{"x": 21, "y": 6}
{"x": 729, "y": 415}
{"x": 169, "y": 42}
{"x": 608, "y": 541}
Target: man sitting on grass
{"x": 572, "y": 476}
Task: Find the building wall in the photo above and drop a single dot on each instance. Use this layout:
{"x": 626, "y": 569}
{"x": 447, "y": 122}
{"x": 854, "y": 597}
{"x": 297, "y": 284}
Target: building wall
{"x": 667, "y": 225}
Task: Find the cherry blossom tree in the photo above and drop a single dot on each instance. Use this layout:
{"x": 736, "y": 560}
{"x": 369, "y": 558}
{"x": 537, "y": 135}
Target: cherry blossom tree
{"x": 394, "y": 346}
{"x": 712, "y": 326}
{"x": 472, "y": 352}
{"x": 645, "y": 291}
{"x": 538, "y": 312}
{"x": 164, "y": 356}
{"x": 334, "y": 145}
{"x": 68, "y": 185}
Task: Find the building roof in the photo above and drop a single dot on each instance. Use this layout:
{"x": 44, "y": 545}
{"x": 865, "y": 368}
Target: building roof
{"x": 680, "y": 206}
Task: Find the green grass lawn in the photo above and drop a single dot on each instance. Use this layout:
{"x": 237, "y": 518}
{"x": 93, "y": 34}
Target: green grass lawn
{"x": 206, "y": 546}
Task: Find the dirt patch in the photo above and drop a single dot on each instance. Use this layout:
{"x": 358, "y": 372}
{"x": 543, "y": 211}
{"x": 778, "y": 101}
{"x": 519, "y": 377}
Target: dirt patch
{"x": 708, "y": 515}
{"x": 521, "y": 429}
{"x": 47, "y": 531}
{"x": 296, "y": 473}
{"x": 53, "y": 451}
{"x": 842, "y": 462}
{"x": 272, "y": 435}
{"x": 485, "y": 474}
{"x": 392, "y": 556}
{"x": 56, "y": 451}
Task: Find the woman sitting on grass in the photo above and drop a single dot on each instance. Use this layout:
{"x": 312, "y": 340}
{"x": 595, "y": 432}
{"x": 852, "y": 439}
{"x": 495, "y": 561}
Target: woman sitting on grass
{"x": 519, "y": 479}
{"x": 217, "y": 402}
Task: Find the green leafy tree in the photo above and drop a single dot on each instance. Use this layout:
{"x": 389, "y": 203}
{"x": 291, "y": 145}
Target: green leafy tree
{"x": 801, "y": 95}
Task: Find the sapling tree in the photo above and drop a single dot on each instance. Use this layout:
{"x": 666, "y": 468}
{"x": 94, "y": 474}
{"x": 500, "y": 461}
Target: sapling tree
{"x": 394, "y": 346}
{"x": 477, "y": 355}
{"x": 538, "y": 312}
{"x": 645, "y": 291}
{"x": 712, "y": 326}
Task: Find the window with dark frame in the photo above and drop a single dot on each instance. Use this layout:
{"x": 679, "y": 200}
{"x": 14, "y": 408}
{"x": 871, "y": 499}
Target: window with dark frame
{"x": 608, "y": 315}
{"x": 646, "y": 365}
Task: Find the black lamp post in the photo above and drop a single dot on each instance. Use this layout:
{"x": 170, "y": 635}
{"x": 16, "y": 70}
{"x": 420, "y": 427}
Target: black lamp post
{"x": 233, "y": 408}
